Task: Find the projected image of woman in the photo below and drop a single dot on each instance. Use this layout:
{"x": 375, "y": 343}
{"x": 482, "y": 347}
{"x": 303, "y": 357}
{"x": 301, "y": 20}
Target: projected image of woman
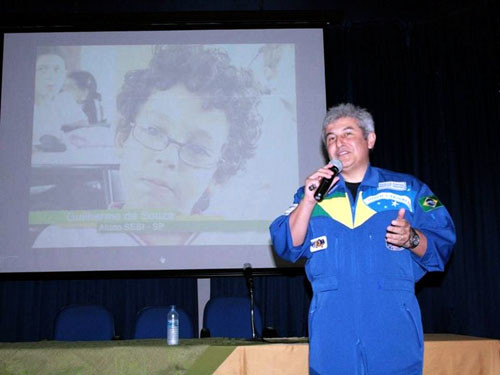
{"x": 187, "y": 124}
{"x": 54, "y": 109}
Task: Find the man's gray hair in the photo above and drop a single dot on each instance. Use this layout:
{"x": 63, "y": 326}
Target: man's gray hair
{"x": 361, "y": 115}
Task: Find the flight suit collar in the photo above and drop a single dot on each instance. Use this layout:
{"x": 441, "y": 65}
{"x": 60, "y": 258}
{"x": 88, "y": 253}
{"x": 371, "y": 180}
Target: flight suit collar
{"x": 371, "y": 179}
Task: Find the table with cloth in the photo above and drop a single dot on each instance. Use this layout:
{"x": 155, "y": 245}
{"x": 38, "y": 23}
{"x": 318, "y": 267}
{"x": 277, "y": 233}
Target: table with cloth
{"x": 445, "y": 354}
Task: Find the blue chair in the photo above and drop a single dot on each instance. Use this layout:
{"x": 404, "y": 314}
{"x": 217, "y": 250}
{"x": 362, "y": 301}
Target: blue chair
{"x": 84, "y": 323}
{"x": 152, "y": 323}
{"x": 230, "y": 317}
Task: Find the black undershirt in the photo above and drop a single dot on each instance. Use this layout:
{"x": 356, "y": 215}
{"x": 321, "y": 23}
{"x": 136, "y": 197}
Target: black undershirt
{"x": 353, "y": 188}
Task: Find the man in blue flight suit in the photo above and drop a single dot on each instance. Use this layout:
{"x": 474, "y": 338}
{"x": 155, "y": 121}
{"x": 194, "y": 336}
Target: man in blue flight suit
{"x": 375, "y": 234}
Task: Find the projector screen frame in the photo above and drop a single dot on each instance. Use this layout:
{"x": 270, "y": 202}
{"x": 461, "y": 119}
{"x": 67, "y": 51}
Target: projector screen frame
{"x": 176, "y": 21}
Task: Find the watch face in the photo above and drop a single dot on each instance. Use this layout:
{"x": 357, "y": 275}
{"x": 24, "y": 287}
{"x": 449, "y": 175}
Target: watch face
{"x": 414, "y": 239}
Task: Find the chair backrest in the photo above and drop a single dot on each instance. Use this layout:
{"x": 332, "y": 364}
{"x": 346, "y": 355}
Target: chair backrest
{"x": 84, "y": 323}
{"x": 230, "y": 317}
{"x": 152, "y": 323}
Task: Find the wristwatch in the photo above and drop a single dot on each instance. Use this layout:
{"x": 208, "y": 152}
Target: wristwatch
{"x": 414, "y": 239}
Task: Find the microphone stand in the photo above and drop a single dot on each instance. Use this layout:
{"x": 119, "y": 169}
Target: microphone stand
{"x": 252, "y": 308}
{"x": 247, "y": 272}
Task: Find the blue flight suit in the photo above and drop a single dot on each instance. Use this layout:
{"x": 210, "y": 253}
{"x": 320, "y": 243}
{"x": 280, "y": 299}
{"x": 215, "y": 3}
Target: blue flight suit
{"x": 364, "y": 318}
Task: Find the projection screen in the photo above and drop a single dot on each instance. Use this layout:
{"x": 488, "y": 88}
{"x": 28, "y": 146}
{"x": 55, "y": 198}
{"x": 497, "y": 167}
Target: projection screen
{"x": 152, "y": 150}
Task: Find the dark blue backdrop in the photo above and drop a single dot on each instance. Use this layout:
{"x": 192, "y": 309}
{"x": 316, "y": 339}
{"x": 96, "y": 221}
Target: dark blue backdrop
{"x": 432, "y": 86}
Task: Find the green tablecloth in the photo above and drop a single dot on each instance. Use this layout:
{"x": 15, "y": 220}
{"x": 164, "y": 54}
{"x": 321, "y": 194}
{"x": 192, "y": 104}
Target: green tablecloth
{"x": 134, "y": 357}
{"x": 444, "y": 354}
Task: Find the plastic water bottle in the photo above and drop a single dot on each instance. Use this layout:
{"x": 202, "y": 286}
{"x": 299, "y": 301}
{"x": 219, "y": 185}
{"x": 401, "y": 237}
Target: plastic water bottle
{"x": 173, "y": 327}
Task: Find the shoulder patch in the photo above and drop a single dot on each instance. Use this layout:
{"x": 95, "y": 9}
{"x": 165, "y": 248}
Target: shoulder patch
{"x": 429, "y": 203}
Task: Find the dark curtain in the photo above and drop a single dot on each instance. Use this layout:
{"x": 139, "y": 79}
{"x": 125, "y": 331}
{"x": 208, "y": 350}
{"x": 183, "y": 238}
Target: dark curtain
{"x": 433, "y": 90}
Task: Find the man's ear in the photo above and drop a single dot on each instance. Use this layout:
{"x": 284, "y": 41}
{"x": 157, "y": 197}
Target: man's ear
{"x": 371, "y": 140}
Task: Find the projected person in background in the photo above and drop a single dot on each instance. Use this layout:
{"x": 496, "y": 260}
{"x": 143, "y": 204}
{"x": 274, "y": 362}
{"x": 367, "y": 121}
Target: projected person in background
{"x": 187, "y": 124}
{"x": 375, "y": 234}
{"x": 96, "y": 133}
{"x": 83, "y": 86}
{"x": 53, "y": 108}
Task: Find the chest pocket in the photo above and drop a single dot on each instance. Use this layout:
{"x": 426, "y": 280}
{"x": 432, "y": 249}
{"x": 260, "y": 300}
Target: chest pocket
{"x": 327, "y": 261}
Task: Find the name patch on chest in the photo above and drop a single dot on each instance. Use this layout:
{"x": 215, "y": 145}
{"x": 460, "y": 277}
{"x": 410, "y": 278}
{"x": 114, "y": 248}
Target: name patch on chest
{"x": 318, "y": 243}
{"x": 392, "y": 185}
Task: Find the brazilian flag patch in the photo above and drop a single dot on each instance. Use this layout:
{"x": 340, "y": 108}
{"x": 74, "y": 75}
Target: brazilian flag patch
{"x": 429, "y": 203}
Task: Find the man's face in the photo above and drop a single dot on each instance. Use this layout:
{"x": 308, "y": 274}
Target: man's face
{"x": 172, "y": 179}
{"x": 345, "y": 141}
{"x": 50, "y": 75}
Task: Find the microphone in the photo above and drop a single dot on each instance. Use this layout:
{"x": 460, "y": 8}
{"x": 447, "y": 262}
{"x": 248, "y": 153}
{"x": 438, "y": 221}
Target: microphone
{"x": 336, "y": 168}
{"x": 247, "y": 272}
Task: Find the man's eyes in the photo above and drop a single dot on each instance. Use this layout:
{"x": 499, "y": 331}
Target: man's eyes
{"x": 332, "y": 138}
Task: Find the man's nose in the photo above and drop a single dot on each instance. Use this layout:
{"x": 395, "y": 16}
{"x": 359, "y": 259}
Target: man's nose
{"x": 339, "y": 141}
